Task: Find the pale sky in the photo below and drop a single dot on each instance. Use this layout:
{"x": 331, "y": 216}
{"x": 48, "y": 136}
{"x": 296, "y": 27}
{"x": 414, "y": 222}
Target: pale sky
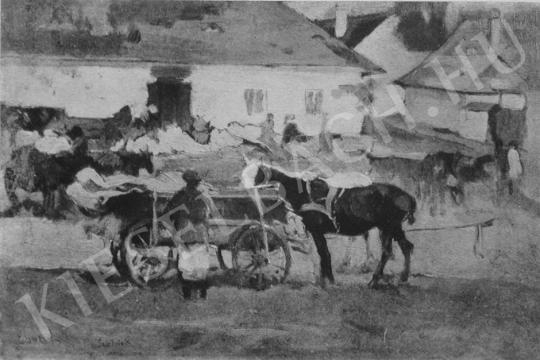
{"x": 326, "y": 9}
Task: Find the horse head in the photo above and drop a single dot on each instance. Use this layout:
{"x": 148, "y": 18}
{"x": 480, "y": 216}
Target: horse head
{"x": 255, "y": 173}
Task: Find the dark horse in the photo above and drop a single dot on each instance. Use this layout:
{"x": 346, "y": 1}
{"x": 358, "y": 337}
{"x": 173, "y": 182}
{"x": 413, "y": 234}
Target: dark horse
{"x": 354, "y": 212}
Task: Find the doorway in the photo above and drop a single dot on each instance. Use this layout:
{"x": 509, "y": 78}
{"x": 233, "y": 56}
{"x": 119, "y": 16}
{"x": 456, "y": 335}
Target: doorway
{"x": 173, "y": 99}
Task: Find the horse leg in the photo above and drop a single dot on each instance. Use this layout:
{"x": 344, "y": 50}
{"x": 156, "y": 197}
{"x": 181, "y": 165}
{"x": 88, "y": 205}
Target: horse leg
{"x": 386, "y": 239}
{"x": 425, "y": 197}
{"x": 347, "y": 257}
{"x": 369, "y": 255}
{"x": 432, "y": 198}
{"x": 10, "y": 186}
{"x": 406, "y": 248}
{"x": 49, "y": 203}
{"x": 442, "y": 197}
{"x": 324, "y": 254}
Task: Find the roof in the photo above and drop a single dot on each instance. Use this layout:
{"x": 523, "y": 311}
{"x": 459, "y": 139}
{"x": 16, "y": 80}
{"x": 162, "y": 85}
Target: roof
{"x": 358, "y": 27}
{"x": 169, "y": 31}
{"x": 322, "y": 10}
{"x": 386, "y": 49}
{"x": 424, "y": 138}
{"x": 491, "y": 80}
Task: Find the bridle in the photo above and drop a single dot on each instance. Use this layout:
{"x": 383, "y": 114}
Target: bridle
{"x": 266, "y": 182}
{"x": 267, "y": 174}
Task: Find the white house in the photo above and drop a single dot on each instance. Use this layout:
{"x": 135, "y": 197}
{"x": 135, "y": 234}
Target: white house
{"x": 225, "y": 61}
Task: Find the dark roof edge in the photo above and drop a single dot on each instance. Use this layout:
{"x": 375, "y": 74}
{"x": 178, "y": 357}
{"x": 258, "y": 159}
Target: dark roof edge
{"x": 32, "y": 59}
{"x": 418, "y": 86}
{"x": 359, "y": 60}
{"x": 458, "y": 29}
{"x": 433, "y": 53}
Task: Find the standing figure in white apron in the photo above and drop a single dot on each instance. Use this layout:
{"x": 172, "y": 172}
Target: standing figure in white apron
{"x": 515, "y": 168}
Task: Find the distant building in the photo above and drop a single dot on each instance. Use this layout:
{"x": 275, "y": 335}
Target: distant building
{"x": 456, "y": 86}
{"x": 457, "y": 93}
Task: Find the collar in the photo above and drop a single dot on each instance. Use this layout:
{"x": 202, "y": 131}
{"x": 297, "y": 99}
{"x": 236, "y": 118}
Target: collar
{"x": 267, "y": 174}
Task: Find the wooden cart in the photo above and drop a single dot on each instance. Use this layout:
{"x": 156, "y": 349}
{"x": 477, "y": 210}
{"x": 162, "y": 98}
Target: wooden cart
{"x": 259, "y": 249}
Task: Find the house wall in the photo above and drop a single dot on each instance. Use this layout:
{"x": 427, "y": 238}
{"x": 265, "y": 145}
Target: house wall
{"x": 83, "y": 91}
{"x": 432, "y": 107}
{"x": 88, "y": 91}
{"x": 218, "y": 94}
{"x": 435, "y": 108}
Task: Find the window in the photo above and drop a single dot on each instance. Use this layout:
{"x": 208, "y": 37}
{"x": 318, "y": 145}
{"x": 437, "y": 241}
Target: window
{"x": 314, "y": 100}
{"x": 255, "y": 100}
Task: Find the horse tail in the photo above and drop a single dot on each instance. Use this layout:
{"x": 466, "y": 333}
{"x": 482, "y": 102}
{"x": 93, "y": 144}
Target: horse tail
{"x": 407, "y": 204}
{"x": 409, "y": 216}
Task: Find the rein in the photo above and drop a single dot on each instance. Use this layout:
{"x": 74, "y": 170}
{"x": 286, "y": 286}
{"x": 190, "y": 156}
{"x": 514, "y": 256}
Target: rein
{"x": 308, "y": 189}
{"x": 262, "y": 186}
{"x": 267, "y": 174}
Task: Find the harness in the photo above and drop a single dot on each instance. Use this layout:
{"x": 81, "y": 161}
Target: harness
{"x": 328, "y": 209}
{"x": 267, "y": 173}
{"x": 325, "y": 205}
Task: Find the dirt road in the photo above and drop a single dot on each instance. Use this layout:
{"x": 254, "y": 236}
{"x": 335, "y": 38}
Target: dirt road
{"x": 430, "y": 318}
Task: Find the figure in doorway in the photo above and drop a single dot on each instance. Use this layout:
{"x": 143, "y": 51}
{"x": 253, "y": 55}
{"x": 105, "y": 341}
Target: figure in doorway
{"x": 515, "y": 168}
{"x": 201, "y": 130}
{"x": 291, "y": 131}
{"x": 267, "y": 130}
{"x": 325, "y": 137}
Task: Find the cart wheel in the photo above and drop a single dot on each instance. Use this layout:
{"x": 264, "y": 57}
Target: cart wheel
{"x": 250, "y": 260}
{"x": 150, "y": 267}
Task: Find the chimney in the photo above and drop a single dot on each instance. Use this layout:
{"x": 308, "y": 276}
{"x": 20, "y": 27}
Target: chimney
{"x": 495, "y": 29}
{"x": 451, "y": 17}
{"x": 341, "y": 20}
{"x": 426, "y": 10}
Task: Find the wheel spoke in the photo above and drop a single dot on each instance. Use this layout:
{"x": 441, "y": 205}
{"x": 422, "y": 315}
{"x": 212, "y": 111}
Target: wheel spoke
{"x": 137, "y": 267}
{"x": 147, "y": 274}
{"x": 248, "y": 266}
{"x": 251, "y": 258}
{"x": 277, "y": 266}
{"x": 245, "y": 256}
{"x": 260, "y": 279}
{"x": 134, "y": 260}
{"x": 255, "y": 267}
{"x": 145, "y": 244}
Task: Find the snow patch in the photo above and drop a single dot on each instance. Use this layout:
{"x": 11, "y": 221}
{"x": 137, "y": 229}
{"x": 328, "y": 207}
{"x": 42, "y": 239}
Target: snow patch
{"x": 51, "y": 143}
{"x": 222, "y": 138}
{"x": 23, "y": 138}
{"x": 473, "y": 125}
{"x": 349, "y": 180}
{"x": 250, "y": 132}
{"x": 168, "y": 141}
{"x": 91, "y": 189}
{"x": 174, "y": 140}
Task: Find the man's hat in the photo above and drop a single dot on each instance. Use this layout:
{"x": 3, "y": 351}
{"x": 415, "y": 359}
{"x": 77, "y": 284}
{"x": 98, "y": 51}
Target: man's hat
{"x": 75, "y": 132}
{"x": 191, "y": 176}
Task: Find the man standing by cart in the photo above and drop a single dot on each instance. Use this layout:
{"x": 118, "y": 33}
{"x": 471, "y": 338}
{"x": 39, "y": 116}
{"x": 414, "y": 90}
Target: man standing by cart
{"x": 191, "y": 230}
{"x": 190, "y": 219}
